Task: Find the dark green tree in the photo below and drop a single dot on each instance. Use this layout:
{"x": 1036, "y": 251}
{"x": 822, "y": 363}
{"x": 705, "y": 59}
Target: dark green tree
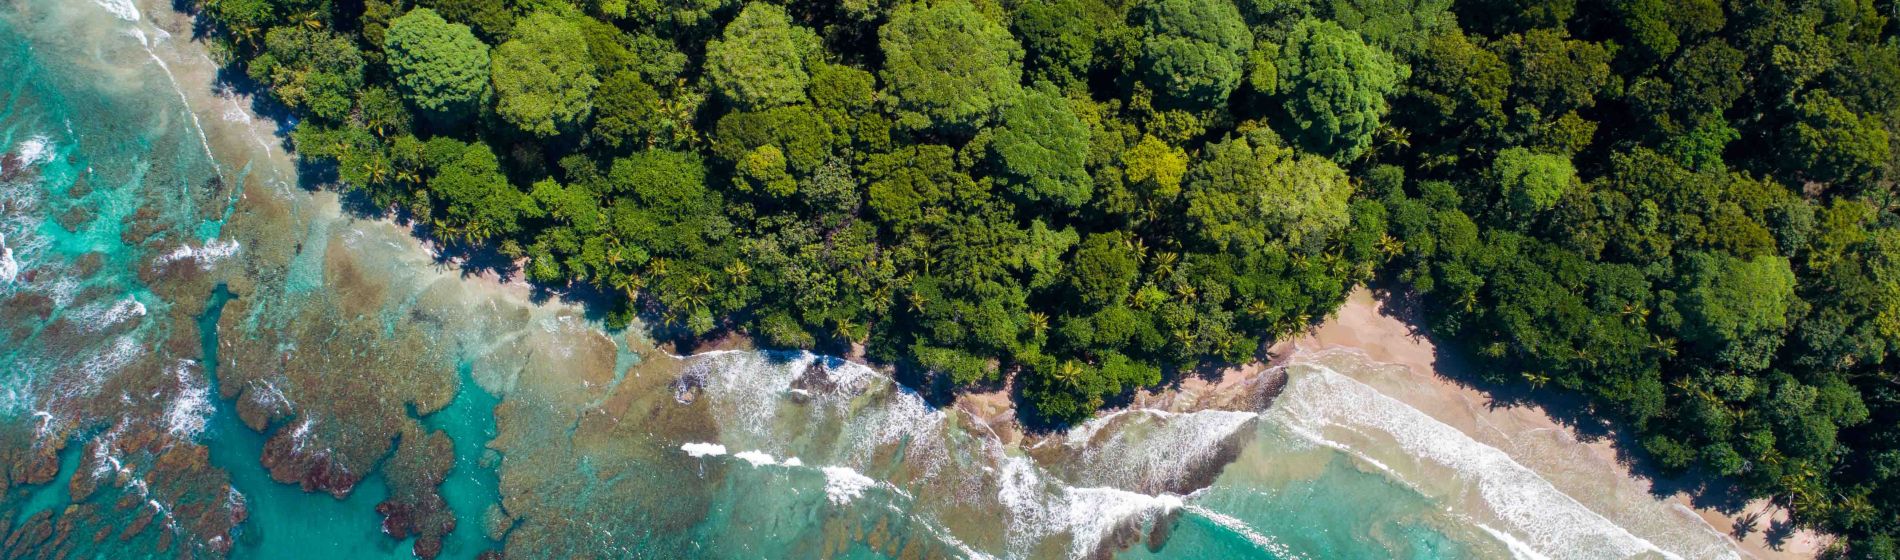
{"x": 1335, "y": 87}
{"x": 441, "y": 67}
{"x": 1193, "y": 51}
{"x": 1042, "y": 147}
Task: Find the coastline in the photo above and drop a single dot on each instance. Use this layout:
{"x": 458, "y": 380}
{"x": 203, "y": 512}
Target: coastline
{"x": 1589, "y": 466}
{"x": 1359, "y": 325}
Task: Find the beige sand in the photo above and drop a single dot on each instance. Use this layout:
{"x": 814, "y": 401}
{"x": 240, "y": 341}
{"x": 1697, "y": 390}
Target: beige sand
{"x": 1585, "y": 468}
{"x": 1361, "y": 324}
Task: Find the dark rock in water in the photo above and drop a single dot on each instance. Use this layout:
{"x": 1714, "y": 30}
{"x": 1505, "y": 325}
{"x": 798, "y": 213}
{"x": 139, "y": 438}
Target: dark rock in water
{"x": 415, "y": 506}
{"x": 428, "y": 546}
{"x": 816, "y": 379}
{"x": 313, "y": 472}
{"x": 11, "y": 167}
{"x": 75, "y": 218}
{"x": 1158, "y": 536}
{"x": 686, "y": 389}
{"x": 34, "y": 531}
{"x": 44, "y": 467}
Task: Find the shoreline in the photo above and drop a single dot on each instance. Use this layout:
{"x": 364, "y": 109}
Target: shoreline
{"x": 1363, "y": 325}
{"x": 1585, "y": 466}
{"x": 1360, "y": 324}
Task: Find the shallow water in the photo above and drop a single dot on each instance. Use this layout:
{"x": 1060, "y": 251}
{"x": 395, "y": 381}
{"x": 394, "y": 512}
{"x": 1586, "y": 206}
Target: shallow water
{"x": 202, "y": 357}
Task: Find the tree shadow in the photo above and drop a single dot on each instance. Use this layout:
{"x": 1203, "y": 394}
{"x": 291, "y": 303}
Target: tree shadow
{"x": 1588, "y": 421}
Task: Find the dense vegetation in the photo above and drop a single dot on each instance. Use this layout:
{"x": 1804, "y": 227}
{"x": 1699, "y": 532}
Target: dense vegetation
{"x": 1683, "y": 210}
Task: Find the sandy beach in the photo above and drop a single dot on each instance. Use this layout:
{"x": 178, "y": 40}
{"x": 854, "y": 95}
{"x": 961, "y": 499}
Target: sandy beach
{"x": 1408, "y": 368}
{"x": 1588, "y": 469}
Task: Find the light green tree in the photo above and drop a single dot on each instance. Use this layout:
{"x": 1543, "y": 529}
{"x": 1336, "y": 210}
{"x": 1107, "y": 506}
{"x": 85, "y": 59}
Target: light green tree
{"x": 760, "y": 61}
{"x": 1042, "y": 147}
{"x": 1251, "y": 192}
{"x": 1533, "y": 182}
{"x": 948, "y": 66}
{"x": 440, "y": 67}
{"x": 1737, "y": 308}
{"x": 544, "y": 78}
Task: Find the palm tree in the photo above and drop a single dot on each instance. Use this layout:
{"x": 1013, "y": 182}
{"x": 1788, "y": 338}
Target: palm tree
{"x": 1038, "y": 323}
{"x": 1070, "y": 372}
{"x": 628, "y": 283}
{"x": 1164, "y": 263}
{"x": 842, "y": 329}
{"x": 1665, "y": 345}
{"x": 1391, "y": 246}
{"x": 1185, "y": 290}
{"x": 739, "y": 272}
{"x": 376, "y": 170}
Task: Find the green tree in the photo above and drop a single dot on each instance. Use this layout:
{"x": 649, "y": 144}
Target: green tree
{"x": 544, "y": 78}
{"x": 760, "y": 61}
{"x": 1737, "y": 308}
{"x": 313, "y": 70}
{"x": 493, "y": 20}
{"x": 478, "y": 202}
{"x": 1832, "y": 144}
{"x": 1335, "y": 86}
{"x": 1250, "y": 192}
{"x": 948, "y": 66}
{"x": 1533, "y": 182}
{"x": 1042, "y": 147}
{"x": 1059, "y": 39}
{"x": 440, "y": 67}
{"x": 1106, "y": 268}
{"x": 1193, "y": 51}
{"x": 1156, "y": 167}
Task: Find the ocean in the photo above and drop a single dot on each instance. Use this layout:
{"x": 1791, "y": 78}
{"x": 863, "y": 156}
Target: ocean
{"x": 205, "y": 356}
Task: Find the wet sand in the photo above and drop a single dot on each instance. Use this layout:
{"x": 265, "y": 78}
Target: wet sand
{"x": 1585, "y": 468}
{"x": 1360, "y": 325}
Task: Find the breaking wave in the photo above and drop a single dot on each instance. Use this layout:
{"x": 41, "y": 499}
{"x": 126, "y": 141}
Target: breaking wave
{"x": 1548, "y": 520}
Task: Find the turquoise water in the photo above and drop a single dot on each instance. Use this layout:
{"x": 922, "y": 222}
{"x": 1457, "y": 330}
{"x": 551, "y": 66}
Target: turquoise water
{"x": 201, "y": 356}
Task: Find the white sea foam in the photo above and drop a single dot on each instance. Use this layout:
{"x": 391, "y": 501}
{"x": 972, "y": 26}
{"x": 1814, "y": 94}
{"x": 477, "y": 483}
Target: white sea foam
{"x": 1552, "y": 522}
{"x": 1039, "y": 509}
{"x": 793, "y": 462}
{"x": 300, "y": 435}
{"x": 98, "y": 317}
{"x": 842, "y": 485}
{"x": 102, "y": 365}
{"x": 754, "y": 394}
{"x": 9, "y": 268}
{"x": 756, "y": 458}
{"x": 1154, "y": 450}
{"x": 1228, "y": 522}
{"x": 46, "y": 424}
{"x": 188, "y": 412}
{"x": 207, "y": 255}
{"x": 122, "y": 9}
{"x": 63, "y": 291}
{"x": 35, "y": 150}
{"x": 203, "y": 139}
{"x": 703, "y": 449}
{"x": 1519, "y": 550}
{"x": 1093, "y": 513}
